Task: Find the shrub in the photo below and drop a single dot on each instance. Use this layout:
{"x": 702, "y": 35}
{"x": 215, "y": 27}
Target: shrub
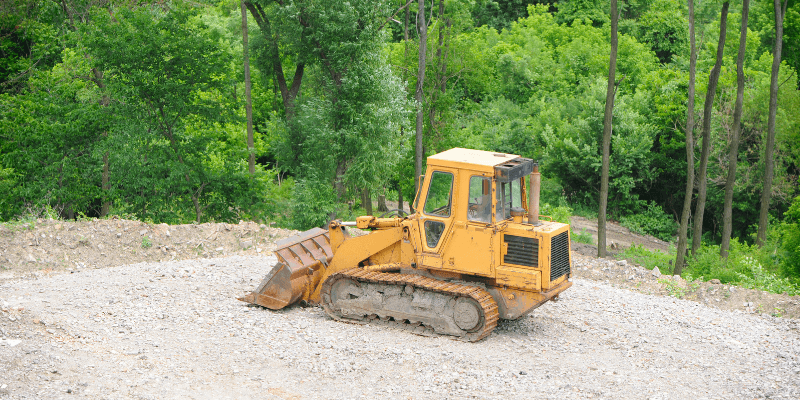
{"x": 652, "y": 221}
{"x": 312, "y": 204}
{"x": 757, "y": 278}
{"x": 790, "y": 231}
{"x": 583, "y": 237}
{"x": 742, "y": 268}
{"x": 560, "y": 213}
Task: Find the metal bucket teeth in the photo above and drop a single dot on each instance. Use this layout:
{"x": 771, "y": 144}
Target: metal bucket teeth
{"x": 299, "y": 258}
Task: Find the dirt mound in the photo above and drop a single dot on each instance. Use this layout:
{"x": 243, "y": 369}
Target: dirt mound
{"x": 45, "y": 246}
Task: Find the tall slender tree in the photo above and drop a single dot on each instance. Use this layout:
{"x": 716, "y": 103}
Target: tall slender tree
{"x": 248, "y": 105}
{"x": 769, "y": 167}
{"x": 733, "y": 154}
{"x": 422, "y": 26}
{"x": 702, "y": 180}
{"x": 687, "y": 199}
{"x": 607, "y": 125}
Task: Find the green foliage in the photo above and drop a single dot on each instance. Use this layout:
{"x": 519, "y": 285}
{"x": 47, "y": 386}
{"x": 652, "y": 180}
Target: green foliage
{"x": 499, "y": 14}
{"x": 49, "y": 133}
{"x": 591, "y": 11}
{"x": 7, "y": 183}
{"x": 313, "y": 204}
{"x": 755, "y": 277}
{"x": 664, "y": 28}
{"x": 146, "y": 242}
{"x": 743, "y": 267}
{"x": 708, "y": 264}
{"x": 572, "y": 153}
{"x": 560, "y": 213}
{"x": 650, "y": 259}
{"x": 790, "y": 230}
{"x": 673, "y": 288}
{"x": 652, "y": 220}
{"x": 348, "y": 122}
{"x": 583, "y": 237}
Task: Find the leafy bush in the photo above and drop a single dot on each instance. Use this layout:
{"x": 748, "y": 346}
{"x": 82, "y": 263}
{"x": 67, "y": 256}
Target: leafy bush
{"x": 757, "y": 278}
{"x": 560, "y": 213}
{"x": 312, "y": 204}
{"x": 7, "y": 183}
{"x": 790, "y": 231}
{"x": 742, "y": 268}
{"x": 583, "y": 237}
{"x": 652, "y": 221}
{"x": 708, "y": 263}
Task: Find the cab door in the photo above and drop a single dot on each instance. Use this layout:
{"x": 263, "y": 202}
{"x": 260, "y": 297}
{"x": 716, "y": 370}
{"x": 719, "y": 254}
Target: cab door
{"x": 469, "y": 250}
{"x": 437, "y": 215}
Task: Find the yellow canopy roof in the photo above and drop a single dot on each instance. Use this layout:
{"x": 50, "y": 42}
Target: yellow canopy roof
{"x": 478, "y": 160}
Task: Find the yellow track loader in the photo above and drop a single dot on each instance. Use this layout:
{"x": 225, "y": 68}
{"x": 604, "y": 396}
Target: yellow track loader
{"x": 474, "y": 251}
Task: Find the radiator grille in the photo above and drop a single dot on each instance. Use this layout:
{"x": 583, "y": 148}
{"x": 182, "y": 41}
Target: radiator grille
{"x": 559, "y": 256}
{"x": 521, "y": 251}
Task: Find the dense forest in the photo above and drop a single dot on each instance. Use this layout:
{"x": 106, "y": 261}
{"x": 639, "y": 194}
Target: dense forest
{"x": 297, "y": 111}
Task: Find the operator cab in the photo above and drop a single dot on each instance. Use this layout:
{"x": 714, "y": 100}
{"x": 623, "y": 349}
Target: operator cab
{"x": 496, "y": 185}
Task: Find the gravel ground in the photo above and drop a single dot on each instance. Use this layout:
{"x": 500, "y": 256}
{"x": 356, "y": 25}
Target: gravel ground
{"x": 174, "y": 329}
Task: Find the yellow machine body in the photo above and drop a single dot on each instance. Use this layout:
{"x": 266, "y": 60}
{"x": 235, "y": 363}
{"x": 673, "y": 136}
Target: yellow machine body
{"x": 469, "y": 228}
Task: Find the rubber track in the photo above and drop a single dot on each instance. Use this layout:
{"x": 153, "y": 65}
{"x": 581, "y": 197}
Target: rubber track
{"x": 488, "y": 306}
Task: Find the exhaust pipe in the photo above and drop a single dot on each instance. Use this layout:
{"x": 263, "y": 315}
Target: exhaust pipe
{"x": 536, "y": 183}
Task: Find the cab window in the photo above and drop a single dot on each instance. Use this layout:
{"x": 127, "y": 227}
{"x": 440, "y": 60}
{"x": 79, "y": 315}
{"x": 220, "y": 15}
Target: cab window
{"x": 509, "y": 194}
{"x": 438, "y": 202}
{"x": 480, "y": 199}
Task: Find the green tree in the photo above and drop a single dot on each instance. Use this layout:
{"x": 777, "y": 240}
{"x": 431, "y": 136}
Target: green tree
{"x": 711, "y": 91}
{"x": 51, "y": 132}
{"x": 605, "y": 150}
{"x": 663, "y": 27}
{"x": 733, "y": 157}
{"x": 166, "y": 75}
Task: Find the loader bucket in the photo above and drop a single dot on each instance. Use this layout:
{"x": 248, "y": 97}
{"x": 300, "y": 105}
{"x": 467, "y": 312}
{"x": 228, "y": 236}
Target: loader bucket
{"x": 300, "y": 257}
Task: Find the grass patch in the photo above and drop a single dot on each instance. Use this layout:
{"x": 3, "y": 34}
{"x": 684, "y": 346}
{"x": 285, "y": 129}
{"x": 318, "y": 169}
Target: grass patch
{"x": 741, "y": 268}
{"x": 582, "y": 210}
{"x": 583, "y": 237}
{"x": 650, "y": 259}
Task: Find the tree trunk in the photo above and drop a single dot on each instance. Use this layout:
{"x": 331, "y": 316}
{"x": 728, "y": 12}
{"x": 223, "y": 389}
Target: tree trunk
{"x": 439, "y": 78}
{"x": 687, "y": 199}
{"x": 106, "y": 207}
{"x": 288, "y": 94}
{"x": 405, "y": 77}
{"x": 713, "y": 79}
{"x": 769, "y": 172}
{"x": 399, "y": 197}
{"x": 338, "y": 182}
{"x": 198, "y": 209}
{"x": 422, "y": 26}
{"x": 105, "y": 101}
{"x": 607, "y": 125}
{"x": 366, "y": 201}
{"x": 251, "y": 159}
{"x": 382, "y": 203}
{"x": 733, "y": 155}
